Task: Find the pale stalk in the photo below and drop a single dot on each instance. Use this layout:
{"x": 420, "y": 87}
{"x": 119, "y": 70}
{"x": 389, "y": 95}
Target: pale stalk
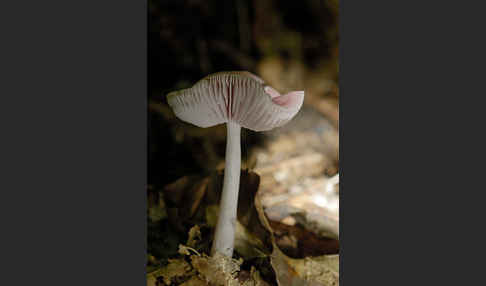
{"x": 224, "y": 237}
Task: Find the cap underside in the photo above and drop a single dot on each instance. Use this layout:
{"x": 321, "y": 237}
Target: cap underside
{"x": 234, "y": 96}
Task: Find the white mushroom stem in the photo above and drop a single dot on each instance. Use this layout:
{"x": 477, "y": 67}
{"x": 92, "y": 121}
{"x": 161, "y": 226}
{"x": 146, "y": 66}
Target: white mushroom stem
{"x": 224, "y": 237}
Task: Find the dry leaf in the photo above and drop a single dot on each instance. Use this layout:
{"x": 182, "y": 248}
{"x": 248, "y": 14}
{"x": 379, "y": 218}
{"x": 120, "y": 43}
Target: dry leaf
{"x": 254, "y": 240}
{"x": 194, "y": 236}
{"x": 309, "y": 271}
{"x": 176, "y": 268}
{"x": 297, "y": 242}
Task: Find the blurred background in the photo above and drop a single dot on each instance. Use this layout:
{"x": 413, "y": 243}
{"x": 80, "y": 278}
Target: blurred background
{"x": 292, "y": 45}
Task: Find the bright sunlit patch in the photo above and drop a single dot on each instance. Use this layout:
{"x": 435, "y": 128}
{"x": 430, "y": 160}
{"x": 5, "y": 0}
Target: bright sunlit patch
{"x": 321, "y": 200}
{"x": 326, "y": 201}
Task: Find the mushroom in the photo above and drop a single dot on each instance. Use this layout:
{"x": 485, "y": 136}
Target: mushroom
{"x": 239, "y": 99}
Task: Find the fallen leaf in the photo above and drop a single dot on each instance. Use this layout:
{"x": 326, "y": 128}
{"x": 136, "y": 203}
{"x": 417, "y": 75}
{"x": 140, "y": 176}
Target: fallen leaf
{"x": 255, "y": 239}
{"x": 176, "y": 268}
{"x": 297, "y": 242}
{"x": 194, "y": 236}
{"x": 309, "y": 271}
{"x": 252, "y": 238}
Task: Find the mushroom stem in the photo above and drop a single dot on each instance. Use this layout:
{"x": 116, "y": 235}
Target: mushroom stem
{"x": 224, "y": 237}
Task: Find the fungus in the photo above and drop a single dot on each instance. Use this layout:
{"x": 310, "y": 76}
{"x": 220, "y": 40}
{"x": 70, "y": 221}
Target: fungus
{"x": 239, "y": 99}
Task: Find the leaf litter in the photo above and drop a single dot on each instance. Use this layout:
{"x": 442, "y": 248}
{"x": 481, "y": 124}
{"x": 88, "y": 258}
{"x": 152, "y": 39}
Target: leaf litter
{"x": 192, "y": 209}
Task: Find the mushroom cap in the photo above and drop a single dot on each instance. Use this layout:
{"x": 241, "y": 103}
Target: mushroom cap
{"x": 240, "y": 97}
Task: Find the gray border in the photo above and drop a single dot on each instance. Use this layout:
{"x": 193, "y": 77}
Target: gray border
{"x": 407, "y": 105}
{"x": 73, "y": 142}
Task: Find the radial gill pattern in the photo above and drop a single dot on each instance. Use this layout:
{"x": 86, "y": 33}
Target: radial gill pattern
{"x": 234, "y": 96}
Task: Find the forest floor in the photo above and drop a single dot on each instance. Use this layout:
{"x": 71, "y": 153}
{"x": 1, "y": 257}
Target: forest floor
{"x": 288, "y": 212}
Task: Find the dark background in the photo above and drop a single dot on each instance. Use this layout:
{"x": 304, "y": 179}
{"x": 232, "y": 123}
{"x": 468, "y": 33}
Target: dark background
{"x": 284, "y": 42}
